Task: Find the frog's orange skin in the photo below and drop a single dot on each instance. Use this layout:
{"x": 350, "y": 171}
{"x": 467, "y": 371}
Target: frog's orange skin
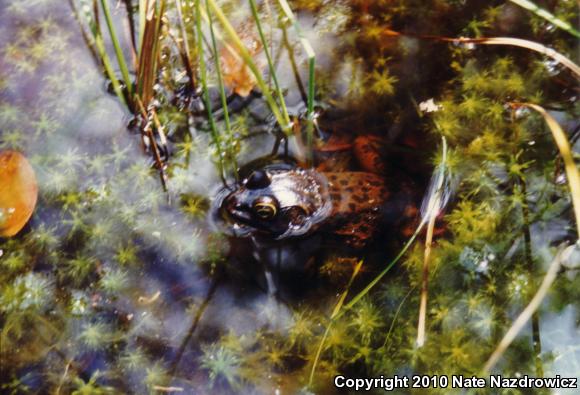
{"x": 367, "y": 151}
{"x": 357, "y": 198}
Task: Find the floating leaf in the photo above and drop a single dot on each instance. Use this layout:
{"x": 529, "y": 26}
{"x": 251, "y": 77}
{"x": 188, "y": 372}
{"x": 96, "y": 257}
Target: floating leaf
{"x": 18, "y": 192}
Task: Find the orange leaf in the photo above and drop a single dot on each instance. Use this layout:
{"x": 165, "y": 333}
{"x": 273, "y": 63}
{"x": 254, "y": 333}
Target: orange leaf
{"x": 18, "y": 192}
{"x": 236, "y": 73}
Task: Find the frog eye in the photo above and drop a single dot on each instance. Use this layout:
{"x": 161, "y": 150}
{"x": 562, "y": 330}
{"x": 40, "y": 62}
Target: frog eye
{"x": 258, "y": 179}
{"x": 265, "y": 207}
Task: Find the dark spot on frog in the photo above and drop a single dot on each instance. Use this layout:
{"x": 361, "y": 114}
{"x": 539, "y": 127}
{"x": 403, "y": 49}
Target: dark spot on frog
{"x": 343, "y": 182}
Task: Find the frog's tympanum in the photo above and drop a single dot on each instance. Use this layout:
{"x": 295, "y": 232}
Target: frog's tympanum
{"x": 280, "y": 202}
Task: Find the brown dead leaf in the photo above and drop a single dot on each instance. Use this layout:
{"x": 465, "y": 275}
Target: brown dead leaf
{"x": 18, "y": 192}
{"x": 236, "y": 74}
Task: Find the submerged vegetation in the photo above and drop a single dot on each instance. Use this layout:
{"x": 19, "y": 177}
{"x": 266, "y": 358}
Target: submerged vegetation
{"x": 118, "y": 285}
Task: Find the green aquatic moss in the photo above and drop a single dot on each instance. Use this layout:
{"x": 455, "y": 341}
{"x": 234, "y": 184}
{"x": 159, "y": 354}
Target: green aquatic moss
{"x": 95, "y": 279}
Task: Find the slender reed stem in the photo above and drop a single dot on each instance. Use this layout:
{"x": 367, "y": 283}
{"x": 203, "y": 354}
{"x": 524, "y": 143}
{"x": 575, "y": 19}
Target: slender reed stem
{"x": 281, "y": 100}
{"x": 525, "y": 315}
{"x": 185, "y": 46}
{"x": 149, "y": 51}
{"x": 118, "y": 50}
{"x": 572, "y": 172}
{"x": 529, "y": 262}
{"x": 89, "y": 40}
{"x": 143, "y": 7}
{"x": 517, "y": 42}
{"x": 311, "y": 86}
{"x": 109, "y": 69}
{"x": 131, "y": 23}
{"x": 424, "y": 284}
{"x": 311, "y": 74}
{"x": 243, "y": 51}
{"x": 100, "y": 45}
{"x": 543, "y": 13}
{"x": 222, "y": 91}
{"x": 203, "y": 76}
{"x": 334, "y": 314}
{"x": 292, "y": 58}
{"x": 148, "y": 129}
{"x": 435, "y": 204}
{"x": 378, "y": 278}
{"x": 309, "y": 53}
{"x": 534, "y": 46}
{"x": 388, "y": 337}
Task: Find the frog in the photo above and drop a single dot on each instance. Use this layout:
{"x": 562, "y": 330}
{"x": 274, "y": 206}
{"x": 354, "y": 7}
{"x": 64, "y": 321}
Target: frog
{"x": 346, "y": 203}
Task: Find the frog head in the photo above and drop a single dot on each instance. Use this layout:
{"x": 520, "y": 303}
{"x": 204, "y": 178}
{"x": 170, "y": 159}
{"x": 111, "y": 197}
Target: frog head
{"x": 275, "y": 201}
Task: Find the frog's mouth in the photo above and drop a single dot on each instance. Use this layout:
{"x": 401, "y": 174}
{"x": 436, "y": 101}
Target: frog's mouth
{"x": 223, "y": 220}
{"x": 233, "y": 212}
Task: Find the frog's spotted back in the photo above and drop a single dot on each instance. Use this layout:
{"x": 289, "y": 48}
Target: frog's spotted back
{"x": 357, "y": 199}
{"x": 353, "y": 192}
{"x": 369, "y": 152}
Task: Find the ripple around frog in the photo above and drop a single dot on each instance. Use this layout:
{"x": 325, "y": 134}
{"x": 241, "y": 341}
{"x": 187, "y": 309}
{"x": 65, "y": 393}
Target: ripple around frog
{"x": 317, "y": 184}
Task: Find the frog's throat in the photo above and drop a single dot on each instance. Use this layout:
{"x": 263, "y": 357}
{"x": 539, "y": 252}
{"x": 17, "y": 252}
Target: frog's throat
{"x": 315, "y": 199}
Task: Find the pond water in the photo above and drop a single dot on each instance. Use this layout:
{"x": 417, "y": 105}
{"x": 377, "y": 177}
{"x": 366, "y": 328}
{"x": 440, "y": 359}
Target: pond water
{"x": 118, "y": 286}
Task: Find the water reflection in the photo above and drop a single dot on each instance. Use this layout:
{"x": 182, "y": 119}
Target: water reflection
{"x": 114, "y": 285}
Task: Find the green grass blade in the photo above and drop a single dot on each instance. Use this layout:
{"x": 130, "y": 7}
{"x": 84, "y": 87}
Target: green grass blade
{"x": 109, "y": 69}
{"x": 118, "y": 50}
{"x": 95, "y": 29}
{"x": 186, "y": 51}
{"x": 221, "y": 88}
{"x": 281, "y": 100}
{"x": 203, "y": 77}
{"x": 571, "y": 168}
{"x": 149, "y": 51}
{"x": 543, "y": 13}
{"x": 378, "y": 278}
{"x": 311, "y": 85}
{"x": 309, "y": 53}
{"x": 285, "y": 124}
{"x": 84, "y": 19}
{"x": 334, "y": 314}
{"x": 143, "y": 5}
{"x": 531, "y": 45}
